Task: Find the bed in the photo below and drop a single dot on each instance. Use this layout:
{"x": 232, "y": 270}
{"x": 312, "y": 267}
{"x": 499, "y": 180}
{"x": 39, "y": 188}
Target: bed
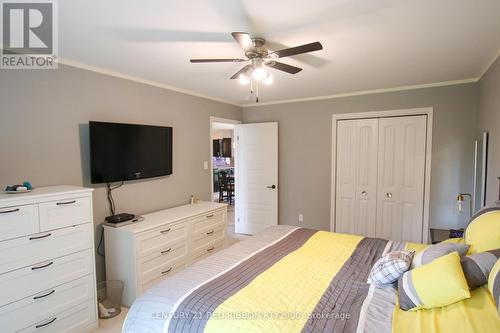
{"x": 289, "y": 279}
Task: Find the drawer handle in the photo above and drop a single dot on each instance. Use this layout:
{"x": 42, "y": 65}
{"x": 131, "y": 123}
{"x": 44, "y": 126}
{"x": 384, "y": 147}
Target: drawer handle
{"x": 40, "y": 237}
{"x": 166, "y": 251}
{"x": 167, "y": 271}
{"x": 211, "y": 249}
{"x": 43, "y": 266}
{"x": 210, "y": 233}
{"x": 165, "y": 231}
{"x": 66, "y": 203}
{"x": 43, "y": 296}
{"x": 47, "y": 323}
{"x": 10, "y": 211}
{"x": 210, "y": 216}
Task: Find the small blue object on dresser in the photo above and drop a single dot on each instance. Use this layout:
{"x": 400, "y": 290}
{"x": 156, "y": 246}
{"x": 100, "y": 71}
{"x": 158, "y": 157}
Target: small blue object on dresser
{"x": 28, "y": 185}
{"x": 25, "y": 187}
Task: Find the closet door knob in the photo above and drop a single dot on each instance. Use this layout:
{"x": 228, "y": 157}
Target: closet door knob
{"x": 388, "y": 195}
{"x": 364, "y": 193}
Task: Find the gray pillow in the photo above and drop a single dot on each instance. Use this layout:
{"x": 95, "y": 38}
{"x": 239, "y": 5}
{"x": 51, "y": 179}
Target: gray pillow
{"x": 477, "y": 267}
{"x": 438, "y": 250}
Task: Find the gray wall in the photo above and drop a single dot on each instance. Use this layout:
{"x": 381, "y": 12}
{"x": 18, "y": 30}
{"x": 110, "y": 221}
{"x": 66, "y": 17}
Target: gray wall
{"x": 489, "y": 120}
{"x": 305, "y": 131}
{"x": 44, "y": 118}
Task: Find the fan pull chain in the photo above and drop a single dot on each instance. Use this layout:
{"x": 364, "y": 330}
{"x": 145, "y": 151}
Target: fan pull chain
{"x": 257, "y": 93}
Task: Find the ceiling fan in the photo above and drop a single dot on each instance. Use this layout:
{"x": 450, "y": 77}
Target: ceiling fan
{"x": 261, "y": 59}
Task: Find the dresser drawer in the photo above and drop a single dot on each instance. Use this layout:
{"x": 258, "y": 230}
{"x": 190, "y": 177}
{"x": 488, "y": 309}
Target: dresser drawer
{"x": 18, "y": 221}
{"x": 208, "y": 235}
{"x": 166, "y": 271}
{"x": 37, "y": 308}
{"x": 28, "y": 250}
{"x": 39, "y": 277}
{"x": 208, "y": 220}
{"x": 207, "y": 249}
{"x": 76, "y": 319}
{"x": 149, "y": 265}
{"x": 157, "y": 240}
{"x": 63, "y": 213}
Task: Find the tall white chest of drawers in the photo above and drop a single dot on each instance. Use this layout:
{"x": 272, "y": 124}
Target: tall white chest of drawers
{"x": 142, "y": 254}
{"x": 47, "y": 269}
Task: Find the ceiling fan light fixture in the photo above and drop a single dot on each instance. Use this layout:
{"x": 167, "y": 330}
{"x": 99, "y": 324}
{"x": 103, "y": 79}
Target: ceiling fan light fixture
{"x": 268, "y": 80}
{"x": 259, "y": 73}
{"x": 244, "y": 79}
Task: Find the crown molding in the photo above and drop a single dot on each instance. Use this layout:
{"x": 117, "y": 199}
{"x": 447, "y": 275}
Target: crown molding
{"x": 104, "y": 71}
{"x": 364, "y": 92}
{"x": 489, "y": 65}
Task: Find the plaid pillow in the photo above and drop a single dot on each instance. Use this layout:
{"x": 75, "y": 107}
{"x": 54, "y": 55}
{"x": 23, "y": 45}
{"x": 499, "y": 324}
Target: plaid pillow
{"x": 390, "y": 267}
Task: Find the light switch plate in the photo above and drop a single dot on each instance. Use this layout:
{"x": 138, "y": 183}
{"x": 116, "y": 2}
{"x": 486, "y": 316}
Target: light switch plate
{"x": 205, "y": 165}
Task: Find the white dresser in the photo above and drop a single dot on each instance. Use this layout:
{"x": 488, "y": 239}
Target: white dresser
{"x": 47, "y": 279}
{"x": 143, "y": 253}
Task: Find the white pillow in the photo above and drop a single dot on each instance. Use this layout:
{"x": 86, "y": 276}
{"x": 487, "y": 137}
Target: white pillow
{"x": 390, "y": 267}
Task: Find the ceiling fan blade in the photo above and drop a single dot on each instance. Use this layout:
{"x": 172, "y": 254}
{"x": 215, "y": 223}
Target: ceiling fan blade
{"x": 241, "y": 71}
{"x": 215, "y": 60}
{"x": 311, "y": 47}
{"x": 244, "y": 40}
{"x": 284, "y": 67}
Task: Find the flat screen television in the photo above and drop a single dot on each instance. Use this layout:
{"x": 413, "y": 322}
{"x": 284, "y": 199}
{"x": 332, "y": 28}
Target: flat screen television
{"x": 120, "y": 152}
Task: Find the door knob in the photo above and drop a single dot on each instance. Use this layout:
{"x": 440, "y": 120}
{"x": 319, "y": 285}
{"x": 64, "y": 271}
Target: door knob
{"x": 388, "y": 195}
{"x": 364, "y": 193}
{"x": 272, "y": 187}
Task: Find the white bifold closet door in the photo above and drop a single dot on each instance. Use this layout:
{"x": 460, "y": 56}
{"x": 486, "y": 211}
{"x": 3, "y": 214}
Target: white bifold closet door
{"x": 357, "y": 142}
{"x": 380, "y": 172}
{"x": 401, "y": 175}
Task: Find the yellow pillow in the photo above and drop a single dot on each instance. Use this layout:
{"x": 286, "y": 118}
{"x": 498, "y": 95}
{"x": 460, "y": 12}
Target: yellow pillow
{"x": 453, "y": 241}
{"x": 494, "y": 284}
{"x": 483, "y": 233}
{"x": 439, "y": 283}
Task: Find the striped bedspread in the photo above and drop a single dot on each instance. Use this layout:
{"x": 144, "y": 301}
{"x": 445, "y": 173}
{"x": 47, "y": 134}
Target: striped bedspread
{"x": 286, "y": 279}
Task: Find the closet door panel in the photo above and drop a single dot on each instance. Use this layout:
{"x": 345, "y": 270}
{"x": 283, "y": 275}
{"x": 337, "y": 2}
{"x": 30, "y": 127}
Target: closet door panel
{"x": 413, "y": 175}
{"x": 345, "y": 176}
{"x": 356, "y": 188}
{"x": 388, "y": 210}
{"x": 366, "y": 178}
{"x": 402, "y": 142}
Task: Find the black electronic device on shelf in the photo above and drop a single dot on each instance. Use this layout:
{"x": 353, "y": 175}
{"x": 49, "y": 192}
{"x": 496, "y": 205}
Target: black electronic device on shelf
{"x": 119, "y": 218}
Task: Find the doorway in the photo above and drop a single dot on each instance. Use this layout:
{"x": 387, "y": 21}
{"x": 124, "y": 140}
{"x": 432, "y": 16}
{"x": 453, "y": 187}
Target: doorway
{"x": 222, "y": 169}
{"x": 244, "y": 174}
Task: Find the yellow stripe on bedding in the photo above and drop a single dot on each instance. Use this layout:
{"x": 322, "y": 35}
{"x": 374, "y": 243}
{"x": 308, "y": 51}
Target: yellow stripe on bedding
{"x": 475, "y": 314}
{"x": 291, "y": 288}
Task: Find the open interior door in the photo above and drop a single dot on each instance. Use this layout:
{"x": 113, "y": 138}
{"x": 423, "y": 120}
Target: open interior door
{"x": 256, "y": 177}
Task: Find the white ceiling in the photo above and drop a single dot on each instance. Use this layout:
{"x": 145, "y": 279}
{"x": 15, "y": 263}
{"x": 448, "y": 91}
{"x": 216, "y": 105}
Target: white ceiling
{"x": 376, "y": 44}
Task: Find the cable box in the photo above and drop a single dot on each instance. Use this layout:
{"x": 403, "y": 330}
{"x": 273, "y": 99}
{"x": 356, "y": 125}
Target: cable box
{"x": 118, "y": 218}
{"x": 134, "y": 219}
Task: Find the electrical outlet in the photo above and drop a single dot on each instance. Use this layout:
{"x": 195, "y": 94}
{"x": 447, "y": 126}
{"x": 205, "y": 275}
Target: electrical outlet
{"x": 301, "y": 218}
